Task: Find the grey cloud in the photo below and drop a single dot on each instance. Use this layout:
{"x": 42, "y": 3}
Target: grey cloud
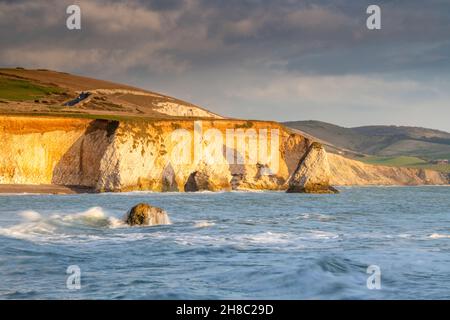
{"x": 204, "y": 50}
{"x": 202, "y": 33}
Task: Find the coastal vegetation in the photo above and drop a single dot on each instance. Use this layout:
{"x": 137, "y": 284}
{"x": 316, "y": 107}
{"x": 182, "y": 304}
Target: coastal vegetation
{"x": 407, "y": 162}
{"x": 23, "y": 90}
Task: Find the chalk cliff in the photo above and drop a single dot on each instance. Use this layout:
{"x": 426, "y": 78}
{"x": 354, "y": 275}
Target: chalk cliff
{"x": 32, "y": 148}
{"x": 145, "y": 155}
{"x": 150, "y": 156}
{"x": 162, "y": 155}
{"x": 313, "y": 172}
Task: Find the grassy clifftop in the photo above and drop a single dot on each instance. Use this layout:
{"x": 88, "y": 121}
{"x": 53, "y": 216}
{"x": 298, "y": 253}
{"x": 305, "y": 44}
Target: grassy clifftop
{"x": 45, "y": 92}
{"x": 24, "y": 90}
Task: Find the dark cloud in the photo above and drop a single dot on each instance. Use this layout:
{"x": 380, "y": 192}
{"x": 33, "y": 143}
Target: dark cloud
{"x": 310, "y": 36}
{"x": 226, "y": 53}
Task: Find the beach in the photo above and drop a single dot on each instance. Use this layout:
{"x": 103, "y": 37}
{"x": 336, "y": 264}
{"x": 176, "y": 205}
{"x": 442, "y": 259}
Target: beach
{"x": 42, "y": 189}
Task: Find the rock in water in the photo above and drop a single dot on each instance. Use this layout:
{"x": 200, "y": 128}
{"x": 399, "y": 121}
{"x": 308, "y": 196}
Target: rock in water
{"x": 313, "y": 172}
{"x": 145, "y": 214}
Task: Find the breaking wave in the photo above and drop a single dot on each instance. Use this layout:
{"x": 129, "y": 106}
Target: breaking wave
{"x": 84, "y": 225}
{"x": 439, "y": 236}
{"x": 204, "y": 224}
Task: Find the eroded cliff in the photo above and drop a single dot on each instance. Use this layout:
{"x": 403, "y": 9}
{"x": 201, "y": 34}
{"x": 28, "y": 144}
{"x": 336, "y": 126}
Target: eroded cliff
{"x": 175, "y": 155}
{"x": 148, "y": 155}
{"x": 31, "y": 148}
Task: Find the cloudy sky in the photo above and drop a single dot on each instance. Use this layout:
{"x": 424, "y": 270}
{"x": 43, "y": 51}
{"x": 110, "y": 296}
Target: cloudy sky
{"x": 279, "y": 59}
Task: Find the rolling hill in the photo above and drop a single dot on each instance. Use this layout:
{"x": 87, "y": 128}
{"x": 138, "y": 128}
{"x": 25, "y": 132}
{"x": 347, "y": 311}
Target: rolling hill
{"x": 57, "y": 93}
{"x": 380, "y": 140}
{"x": 387, "y": 145}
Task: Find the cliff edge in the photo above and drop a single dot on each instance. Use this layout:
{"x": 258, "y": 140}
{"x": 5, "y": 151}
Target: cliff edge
{"x": 159, "y": 155}
{"x": 162, "y": 155}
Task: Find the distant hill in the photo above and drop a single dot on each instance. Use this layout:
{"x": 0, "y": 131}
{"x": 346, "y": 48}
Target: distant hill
{"x": 42, "y": 91}
{"x": 381, "y": 141}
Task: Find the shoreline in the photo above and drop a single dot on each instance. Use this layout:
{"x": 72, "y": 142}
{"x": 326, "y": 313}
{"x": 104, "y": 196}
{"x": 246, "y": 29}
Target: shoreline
{"x": 43, "y": 189}
{"x": 18, "y": 189}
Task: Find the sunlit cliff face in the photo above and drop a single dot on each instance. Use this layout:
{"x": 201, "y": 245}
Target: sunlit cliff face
{"x": 140, "y": 155}
{"x": 172, "y": 155}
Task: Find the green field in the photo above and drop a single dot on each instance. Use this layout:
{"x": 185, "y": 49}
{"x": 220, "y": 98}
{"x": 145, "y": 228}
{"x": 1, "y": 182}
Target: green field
{"x": 401, "y": 161}
{"x": 22, "y": 90}
{"x": 405, "y": 161}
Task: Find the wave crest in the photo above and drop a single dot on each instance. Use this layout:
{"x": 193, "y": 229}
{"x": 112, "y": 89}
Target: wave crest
{"x": 36, "y": 226}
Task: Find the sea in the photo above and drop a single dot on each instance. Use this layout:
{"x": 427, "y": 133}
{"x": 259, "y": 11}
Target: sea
{"x": 363, "y": 243}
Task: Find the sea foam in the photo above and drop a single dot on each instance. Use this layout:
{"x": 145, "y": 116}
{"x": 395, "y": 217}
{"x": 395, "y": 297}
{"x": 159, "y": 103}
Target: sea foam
{"x": 36, "y": 226}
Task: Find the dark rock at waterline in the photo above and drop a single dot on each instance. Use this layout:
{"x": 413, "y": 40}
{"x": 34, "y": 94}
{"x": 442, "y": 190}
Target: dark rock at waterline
{"x": 147, "y": 215}
{"x": 312, "y": 189}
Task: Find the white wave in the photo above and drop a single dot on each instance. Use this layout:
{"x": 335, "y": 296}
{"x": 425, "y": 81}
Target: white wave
{"x": 439, "y": 236}
{"x": 93, "y": 217}
{"x": 30, "y": 215}
{"x": 36, "y": 226}
{"x": 268, "y": 238}
{"x": 204, "y": 224}
{"x": 29, "y": 230}
{"x": 280, "y": 240}
{"x": 317, "y": 216}
{"x": 81, "y": 226}
{"x": 318, "y": 234}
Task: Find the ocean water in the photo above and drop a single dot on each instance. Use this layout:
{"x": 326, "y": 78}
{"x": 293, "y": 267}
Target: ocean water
{"x": 267, "y": 245}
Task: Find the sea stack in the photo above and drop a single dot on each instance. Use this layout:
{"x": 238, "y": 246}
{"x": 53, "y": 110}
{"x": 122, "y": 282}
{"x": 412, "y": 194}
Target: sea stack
{"x": 313, "y": 172}
{"x": 144, "y": 214}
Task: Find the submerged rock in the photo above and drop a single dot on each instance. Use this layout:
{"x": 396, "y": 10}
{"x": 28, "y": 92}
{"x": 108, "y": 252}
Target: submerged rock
{"x": 145, "y": 214}
{"x": 313, "y": 173}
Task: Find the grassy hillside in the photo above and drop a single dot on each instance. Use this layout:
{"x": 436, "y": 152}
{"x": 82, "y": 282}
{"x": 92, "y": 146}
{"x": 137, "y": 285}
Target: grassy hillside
{"x": 401, "y": 161}
{"x": 387, "y": 141}
{"x": 23, "y": 90}
{"x": 407, "y": 162}
{"x": 49, "y": 92}
{"x": 338, "y": 136}
{"x": 384, "y": 145}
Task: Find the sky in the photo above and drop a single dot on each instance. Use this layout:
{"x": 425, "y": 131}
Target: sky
{"x": 279, "y": 60}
